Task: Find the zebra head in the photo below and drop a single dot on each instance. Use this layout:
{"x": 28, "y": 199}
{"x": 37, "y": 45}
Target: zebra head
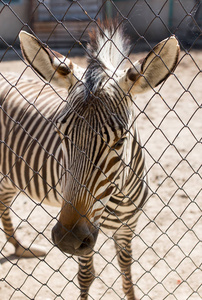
{"x": 95, "y": 124}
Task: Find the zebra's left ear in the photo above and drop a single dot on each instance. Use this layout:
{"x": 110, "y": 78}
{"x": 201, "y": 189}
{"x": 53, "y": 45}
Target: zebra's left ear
{"x": 49, "y": 64}
{"x": 153, "y": 69}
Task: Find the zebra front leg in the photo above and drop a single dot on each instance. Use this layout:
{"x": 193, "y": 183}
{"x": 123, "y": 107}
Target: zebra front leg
{"x": 124, "y": 256}
{"x": 9, "y": 231}
{"x": 86, "y": 274}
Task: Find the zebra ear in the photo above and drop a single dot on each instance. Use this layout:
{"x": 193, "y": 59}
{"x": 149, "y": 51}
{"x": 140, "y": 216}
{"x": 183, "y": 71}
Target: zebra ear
{"x": 51, "y": 65}
{"x": 154, "y": 68}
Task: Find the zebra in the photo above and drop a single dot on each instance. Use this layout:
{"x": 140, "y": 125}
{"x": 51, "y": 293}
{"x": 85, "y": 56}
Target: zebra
{"x": 71, "y": 140}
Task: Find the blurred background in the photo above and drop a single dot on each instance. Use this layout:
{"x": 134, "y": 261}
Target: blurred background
{"x": 64, "y": 23}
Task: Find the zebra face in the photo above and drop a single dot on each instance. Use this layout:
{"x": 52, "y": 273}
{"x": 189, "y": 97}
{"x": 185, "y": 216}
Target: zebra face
{"x": 93, "y": 143}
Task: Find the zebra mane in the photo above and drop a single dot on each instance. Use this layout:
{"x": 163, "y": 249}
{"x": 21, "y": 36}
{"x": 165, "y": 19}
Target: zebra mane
{"x": 109, "y": 45}
{"x": 108, "y": 49}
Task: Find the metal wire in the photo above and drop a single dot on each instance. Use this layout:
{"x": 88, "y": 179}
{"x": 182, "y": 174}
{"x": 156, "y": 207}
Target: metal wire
{"x": 166, "y": 260}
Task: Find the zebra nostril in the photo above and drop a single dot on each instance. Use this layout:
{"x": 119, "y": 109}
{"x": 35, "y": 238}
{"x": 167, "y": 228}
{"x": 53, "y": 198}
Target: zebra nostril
{"x": 87, "y": 243}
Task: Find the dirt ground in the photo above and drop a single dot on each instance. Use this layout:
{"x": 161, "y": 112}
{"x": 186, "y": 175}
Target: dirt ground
{"x": 167, "y": 249}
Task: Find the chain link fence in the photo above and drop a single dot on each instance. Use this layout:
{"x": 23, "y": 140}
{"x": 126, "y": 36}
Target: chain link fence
{"x": 166, "y": 259}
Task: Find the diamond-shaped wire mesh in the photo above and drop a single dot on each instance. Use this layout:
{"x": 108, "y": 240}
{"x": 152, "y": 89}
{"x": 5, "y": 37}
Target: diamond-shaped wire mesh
{"x": 166, "y": 244}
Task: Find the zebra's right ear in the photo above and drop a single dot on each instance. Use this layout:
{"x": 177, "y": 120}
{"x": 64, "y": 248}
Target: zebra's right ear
{"x": 51, "y": 65}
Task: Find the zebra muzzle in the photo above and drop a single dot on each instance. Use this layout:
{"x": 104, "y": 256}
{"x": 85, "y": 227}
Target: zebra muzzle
{"x": 80, "y": 240}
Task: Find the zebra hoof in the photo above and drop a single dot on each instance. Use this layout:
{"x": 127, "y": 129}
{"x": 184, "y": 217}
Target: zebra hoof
{"x": 33, "y": 251}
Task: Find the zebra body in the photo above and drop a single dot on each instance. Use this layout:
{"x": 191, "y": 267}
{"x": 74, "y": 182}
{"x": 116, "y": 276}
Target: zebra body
{"x": 78, "y": 147}
{"x": 21, "y": 113}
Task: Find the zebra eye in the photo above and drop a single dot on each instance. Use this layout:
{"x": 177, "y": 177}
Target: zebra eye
{"x": 119, "y": 143}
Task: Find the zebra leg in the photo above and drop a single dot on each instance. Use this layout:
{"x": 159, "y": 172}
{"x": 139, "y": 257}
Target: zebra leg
{"x": 124, "y": 256}
{"x": 86, "y": 274}
{"x": 9, "y": 231}
{"x": 7, "y": 224}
